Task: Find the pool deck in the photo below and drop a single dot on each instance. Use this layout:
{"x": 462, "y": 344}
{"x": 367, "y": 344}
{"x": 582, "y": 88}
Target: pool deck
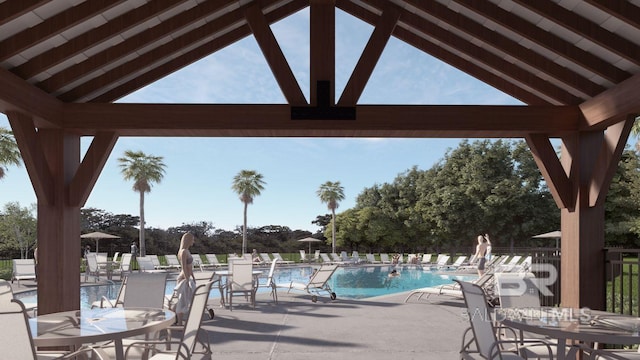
{"x": 296, "y": 328}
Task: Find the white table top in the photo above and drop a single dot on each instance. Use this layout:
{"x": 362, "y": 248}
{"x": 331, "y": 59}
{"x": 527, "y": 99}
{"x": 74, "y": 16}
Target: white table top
{"x": 73, "y": 328}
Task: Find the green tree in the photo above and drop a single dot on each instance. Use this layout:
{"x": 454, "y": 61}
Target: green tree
{"x": 9, "y": 152}
{"x": 247, "y": 184}
{"x": 144, "y": 170}
{"x": 18, "y": 229}
{"x": 331, "y": 193}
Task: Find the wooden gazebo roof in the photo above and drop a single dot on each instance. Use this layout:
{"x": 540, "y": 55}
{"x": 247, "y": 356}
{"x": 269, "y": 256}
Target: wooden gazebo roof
{"x": 576, "y": 64}
{"x": 544, "y": 53}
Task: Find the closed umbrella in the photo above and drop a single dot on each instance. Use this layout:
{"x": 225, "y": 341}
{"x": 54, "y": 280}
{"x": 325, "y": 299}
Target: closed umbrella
{"x": 97, "y": 235}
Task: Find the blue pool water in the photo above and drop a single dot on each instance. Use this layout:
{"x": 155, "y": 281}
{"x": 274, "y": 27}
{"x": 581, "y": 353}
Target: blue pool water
{"x": 359, "y": 282}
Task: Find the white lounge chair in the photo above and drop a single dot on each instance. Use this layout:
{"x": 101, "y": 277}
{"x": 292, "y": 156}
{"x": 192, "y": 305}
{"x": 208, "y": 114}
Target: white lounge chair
{"x": 384, "y": 257}
{"x": 371, "y": 259}
{"x": 426, "y": 259}
{"x": 23, "y": 269}
{"x": 280, "y": 259}
{"x": 93, "y": 268}
{"x": 459, "y": 261}
{"x": 325, "y": 258}
{"x": 318, "y": 282}
{"x": 212, "y": 261}
{"x": 172, "y": 262}
{"x": 452, "y": 289}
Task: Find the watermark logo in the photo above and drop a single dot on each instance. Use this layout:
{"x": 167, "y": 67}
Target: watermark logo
{"x": 521, "y": 284}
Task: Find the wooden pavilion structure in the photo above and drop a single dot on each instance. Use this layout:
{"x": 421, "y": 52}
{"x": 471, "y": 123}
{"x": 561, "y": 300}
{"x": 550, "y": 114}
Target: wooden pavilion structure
{"x": 574, "y": 63}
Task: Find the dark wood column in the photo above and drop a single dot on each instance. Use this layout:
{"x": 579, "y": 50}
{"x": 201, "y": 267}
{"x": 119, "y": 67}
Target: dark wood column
{"x": 579, "y": 181}
{"x": 62, "y": 185}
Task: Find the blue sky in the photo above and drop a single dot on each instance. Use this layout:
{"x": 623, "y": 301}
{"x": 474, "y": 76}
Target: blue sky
{"x": 197, "y": 184}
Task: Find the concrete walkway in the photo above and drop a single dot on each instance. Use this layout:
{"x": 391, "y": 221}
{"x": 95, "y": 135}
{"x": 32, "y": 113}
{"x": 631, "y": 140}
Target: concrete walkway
{"x": 296, "y": 328}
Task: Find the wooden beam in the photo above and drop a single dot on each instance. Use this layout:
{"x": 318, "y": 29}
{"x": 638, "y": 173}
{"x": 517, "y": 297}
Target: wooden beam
{"x": 53, "y": 26}
{"x": 33, "y": 156}
{"x": 90, "y": 167}
{"x": 546, "y": 39}
{"x": 552, "y": 170}
{"x": 370, "y": 55}
{"x": 10, "y": 10}
{"x": 322, "y": 33}
{"x": 621, "y": 9}
{"x": 274, "y": 56}
{"x": 18, "y": 95}
{"x": 613, "y": 105}
{"x": 585, "y": 27}
{"x": 274, "y": 120}
{"x": 130, "y": 45}
{"x": 496, "y": 39}
{"x": 615, "y": 139}
{"x": 86, "y": 40}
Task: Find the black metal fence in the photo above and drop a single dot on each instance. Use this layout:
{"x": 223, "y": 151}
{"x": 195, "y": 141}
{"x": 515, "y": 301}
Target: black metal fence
{"x": 623, "y": 280}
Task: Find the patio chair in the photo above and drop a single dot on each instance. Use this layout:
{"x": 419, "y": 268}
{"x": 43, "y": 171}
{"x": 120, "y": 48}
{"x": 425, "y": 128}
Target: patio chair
{"x": 156, "y": 261}
{"x": 16, "y": 335}
{"x": 23, "y": 269}
{"x": 280, "y": 259}
{"x": 265, "y": 257}
{"x": 319, "y": 282}
{"x": 192, "y": 334}
{"x": 212, "y": 261}
{"x": 115, "y": 256}
{"x": 456, "y": 264}
{"x": 371, "y": 259}
{"x": 483, "y": 341}
{"x": 303, "y": 255}
{"x": 172, "y": 262}
{"x": 269, "y": 282}
{"x": 93, "y": 269}
{"x": 125, "y": 265}
{"x": 384, "y": 257}
{"x": 241, "y": 282}
{"x": 325, "y": 258}
{"x": 138, "y": 290}
{"x": 426, "y": 259}
{"x": 145, "y": 264}
{"x": 453, "y": 289}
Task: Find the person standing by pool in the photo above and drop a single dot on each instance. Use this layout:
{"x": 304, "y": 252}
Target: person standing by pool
{"x": 481, "y": 252}
{"x": 186, "y": 281}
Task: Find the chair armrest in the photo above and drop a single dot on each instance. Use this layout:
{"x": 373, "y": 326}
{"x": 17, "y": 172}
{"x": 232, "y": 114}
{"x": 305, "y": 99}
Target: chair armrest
{"x": 182, "y": 350}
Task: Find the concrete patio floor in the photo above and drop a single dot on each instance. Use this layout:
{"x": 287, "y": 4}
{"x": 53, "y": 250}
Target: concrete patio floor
{"x": 379, "y": 328}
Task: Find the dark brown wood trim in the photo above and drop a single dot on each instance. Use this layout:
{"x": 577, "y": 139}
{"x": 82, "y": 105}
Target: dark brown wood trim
{"x": 552, "y": 170}
{"x": 33, "y": 156}
{"x": 322, "y": 52}
{"x": 612, "y": 106}
{"x": 274, "y": 56}
{"x": 370, "y": 55}
{"x": 10, "y": 10}
{"x": 90, "y": 167}
{"x": 621, "y": 9}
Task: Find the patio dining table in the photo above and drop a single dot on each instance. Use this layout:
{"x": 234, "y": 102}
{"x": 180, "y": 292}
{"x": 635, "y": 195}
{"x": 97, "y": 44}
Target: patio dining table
{"x": 75, "y": 328}
{"x": 570, "y": 324}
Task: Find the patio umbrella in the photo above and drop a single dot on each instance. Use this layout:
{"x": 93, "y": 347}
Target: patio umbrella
{"x": 550, "y": 235}
{"x": 97, "y": 235}
{"x": 309, "y": 240}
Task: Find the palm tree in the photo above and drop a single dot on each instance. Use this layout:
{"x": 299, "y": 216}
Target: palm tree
{"x": 331, "y": 193}
{"x": 144, "y": 170}
{"x": 247, "y": 184}
{"x": 9, "y": 152}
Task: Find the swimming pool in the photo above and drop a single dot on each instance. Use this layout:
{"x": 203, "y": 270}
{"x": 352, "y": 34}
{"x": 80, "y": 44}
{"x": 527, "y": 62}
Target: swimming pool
{"x": 357, "y": 282}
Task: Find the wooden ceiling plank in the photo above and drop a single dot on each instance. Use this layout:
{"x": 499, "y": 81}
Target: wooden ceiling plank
{"x": 370, "y": 55}
{"x": 53, "y": 26}
{"x": 613, "y": 105}
{"x": 322, "y": 48}
{"x": 584, "y": 27}
{"x": 546, "y": 39}
{"x": 253, "y": 120}
{"x": 10, "y": 10}
{"x": 153, "y": 74}
{"x": 32, "y": 154}
{"x": 274, "y": 56}
{"x": 621, "y": 9}
{"x": 111, "y": 54}
{"x": 96, "y": 85}
{"x": 615, "y": 140}
{"x": 82, "y": 42}
{"x": 491, "y": 60}
{"x": 92, "y": 164}
{"x": 552, "y": 170}
{"x": 18, "y": 95}
{"x": 448, "y": 57}
{"x": 506, "y": 45}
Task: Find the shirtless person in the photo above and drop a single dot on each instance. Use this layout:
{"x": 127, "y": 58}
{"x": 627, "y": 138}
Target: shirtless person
{"x": 481, "y": 252}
